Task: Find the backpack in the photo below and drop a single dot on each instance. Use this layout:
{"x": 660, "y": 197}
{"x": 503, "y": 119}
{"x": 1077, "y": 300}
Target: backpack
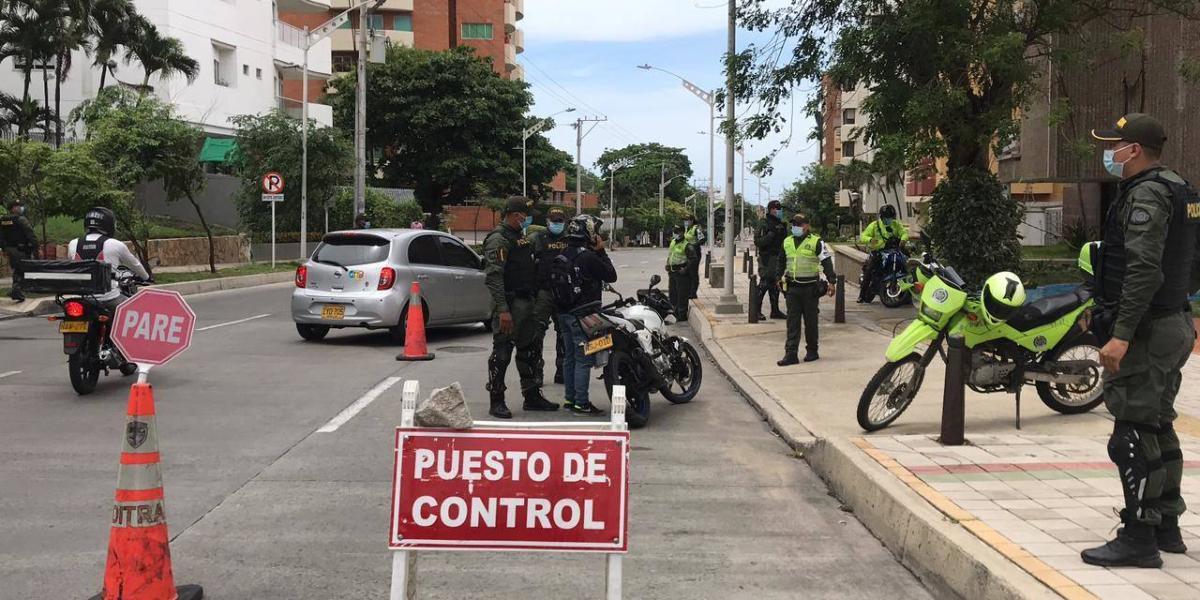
{"x": 566, "y": 281}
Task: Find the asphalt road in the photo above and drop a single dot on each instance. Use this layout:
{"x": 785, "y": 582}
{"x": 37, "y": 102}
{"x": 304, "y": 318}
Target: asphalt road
{"x": 262, "y": 505}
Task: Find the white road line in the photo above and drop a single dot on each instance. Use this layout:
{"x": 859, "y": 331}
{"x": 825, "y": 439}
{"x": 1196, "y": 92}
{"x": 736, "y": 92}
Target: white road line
{"x": 10, "y": 373}
{"x": 233, "y": 322}
{"x": 359, "y": 404}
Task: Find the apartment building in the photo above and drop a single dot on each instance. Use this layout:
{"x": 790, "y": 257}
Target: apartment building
{"x": 247, "y": 58}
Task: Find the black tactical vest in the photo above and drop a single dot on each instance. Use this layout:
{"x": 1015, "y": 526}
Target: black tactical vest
{"x": 86, "y": 249}
{"x": 1178, "y": 252}
{"x": 548, "y": 247}
{"x": 520, "y": 268}
{"x": 10, "y": 233}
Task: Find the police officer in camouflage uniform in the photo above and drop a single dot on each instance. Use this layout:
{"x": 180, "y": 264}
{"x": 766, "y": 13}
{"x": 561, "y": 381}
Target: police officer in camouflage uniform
{"x": 769, "y": 241}
{"x": 511, "y": 277}
{"x": 548, "y": 243}
{"x": 17, "y": 240}
{"x": 1146, "y": 270}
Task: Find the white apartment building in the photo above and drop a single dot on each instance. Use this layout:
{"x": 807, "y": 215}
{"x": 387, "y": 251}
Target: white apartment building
{"x": 844, "y": 143}
{"x": 246, "y": 54}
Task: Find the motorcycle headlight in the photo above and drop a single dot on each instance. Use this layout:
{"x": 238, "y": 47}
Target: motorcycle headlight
{"x": 931, "y": 313}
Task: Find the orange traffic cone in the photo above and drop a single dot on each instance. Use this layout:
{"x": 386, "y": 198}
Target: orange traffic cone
{"x": 139, "y": 559}
{"x": 414, "y": 333}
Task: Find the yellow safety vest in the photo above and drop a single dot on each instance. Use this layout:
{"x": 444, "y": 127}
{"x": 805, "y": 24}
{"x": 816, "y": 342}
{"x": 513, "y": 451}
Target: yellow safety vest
{"x": 678, "y": 253}
{"x": 803, "y": 261}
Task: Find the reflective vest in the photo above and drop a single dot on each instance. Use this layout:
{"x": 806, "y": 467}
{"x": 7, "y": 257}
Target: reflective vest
{"x": 692, "y": 235}
{"x": 803, "y": 261}
{"x": 677, "y": 256}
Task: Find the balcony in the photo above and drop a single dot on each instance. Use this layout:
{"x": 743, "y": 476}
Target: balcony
{"x": 519, "y": 6}
{"x": 510, "y": 18}
{"x": 321, "y": 113}
{"x": 517, "y": 73}
{"x": 290, "y": 35}
{"x": 510, "y": 57}
{"x": 303, "y": 6}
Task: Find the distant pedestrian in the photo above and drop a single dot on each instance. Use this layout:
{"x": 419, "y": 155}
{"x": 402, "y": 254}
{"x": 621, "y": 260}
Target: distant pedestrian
{"x": 769, "y": 241}
{"x": 361, "y": 222}
{"x": 1148, "y": 266}
{"x": 416, "y": 225}
{"x": 681, "y": 258}
{"x": 805, "y": 257}
{"x": 578, "y": 279}
{"x": 18, "y": 241}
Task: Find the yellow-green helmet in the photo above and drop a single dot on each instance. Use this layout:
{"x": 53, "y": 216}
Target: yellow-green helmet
{"x": 1003, "y": 293}
{"x": 1089, "y": 255}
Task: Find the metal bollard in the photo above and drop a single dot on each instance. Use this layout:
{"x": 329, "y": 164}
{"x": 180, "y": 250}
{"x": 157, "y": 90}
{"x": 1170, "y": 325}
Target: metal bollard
{"x": 746, "y": 261}
{"x": 707, "y": 262}
{"x": 955, "y": 395}
{"x": 753, "y": 309}
{"x": 839, "y": 300}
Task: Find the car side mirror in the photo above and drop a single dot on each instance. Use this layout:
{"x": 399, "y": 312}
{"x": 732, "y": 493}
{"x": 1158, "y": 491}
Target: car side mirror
{"x": 655, "y": 280}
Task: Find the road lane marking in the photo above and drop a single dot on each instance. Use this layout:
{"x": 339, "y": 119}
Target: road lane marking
{"x": 233, "y": 322}
{"x": 359, "y": 404}
{"x": 8, "y": 374}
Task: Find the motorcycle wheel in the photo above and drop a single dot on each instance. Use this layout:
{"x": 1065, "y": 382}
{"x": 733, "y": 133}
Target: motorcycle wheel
{"x": 1073, "y": 399}
{"x": 686, "y": 374}
{"x": 892, "y": 296}
{"x": 622, "y": 370}
{"x": 84, "y": 369}
{"x": 889, "y": 393}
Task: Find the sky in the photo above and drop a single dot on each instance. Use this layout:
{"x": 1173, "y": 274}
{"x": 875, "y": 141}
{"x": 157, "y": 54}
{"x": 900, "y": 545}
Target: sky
{"x": 584, "y": 54}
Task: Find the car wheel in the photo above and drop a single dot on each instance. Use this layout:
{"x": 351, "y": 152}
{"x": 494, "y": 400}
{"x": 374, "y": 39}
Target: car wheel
{"x": 312, "y": 333}
{"x": 487, "y": 324}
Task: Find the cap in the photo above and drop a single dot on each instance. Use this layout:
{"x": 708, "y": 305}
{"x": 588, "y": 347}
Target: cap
{"x": 799, "y": 219}
{"x": 556, "y": 213}
{"x": 1139, "y": 128}
{"x": 518, "y": 204}
{"x": 677, "y": 229}
{"x": 774, "y": 204}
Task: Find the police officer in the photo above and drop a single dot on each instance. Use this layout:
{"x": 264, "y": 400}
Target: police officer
{"x": 881, "y": 233}
{"x": 1147, "y": 268}
{"x": 805, "y": 256}
{"x": 693, "y": 235}
{"x": 511, "y": 277}
{"x": 548, "y": 243}
{"x": 681, "y": 258}
{"x": 769, "y": 241}
{"x": 17, "y": 240}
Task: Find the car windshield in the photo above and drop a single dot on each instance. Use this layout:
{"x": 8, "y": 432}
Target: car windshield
{"x": 345, "y": 250}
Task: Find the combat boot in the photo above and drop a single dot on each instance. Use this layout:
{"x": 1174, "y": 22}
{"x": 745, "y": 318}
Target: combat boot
{"x": 1170, "y": 539}
{"x": 499, "y": 409}
{"x": 1134, "y": 546}
{"x": 788, "y": 359}
{"x": 534, "y": 400}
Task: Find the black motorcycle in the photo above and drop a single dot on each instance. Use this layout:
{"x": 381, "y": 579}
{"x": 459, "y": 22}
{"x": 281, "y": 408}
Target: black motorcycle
{"x": 889, "y": 275}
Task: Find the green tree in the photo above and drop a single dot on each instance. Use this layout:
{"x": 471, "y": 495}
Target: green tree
{"x": 814, "y": 195}
{"x": 445, "y": 125}
{"x": 644, "y": 165}
{"x": 113, "y": 28}
{"x": 23, "y": 27}
{"x": 382, "y": 211}
{"x": 21, "y": 176}
{"x": 158, "y": 54}
{"x": 271, "y": 142}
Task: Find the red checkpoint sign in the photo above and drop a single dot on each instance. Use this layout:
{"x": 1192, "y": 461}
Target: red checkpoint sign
{"x": 508, "y": 489}
{"x": 153, "y": 327}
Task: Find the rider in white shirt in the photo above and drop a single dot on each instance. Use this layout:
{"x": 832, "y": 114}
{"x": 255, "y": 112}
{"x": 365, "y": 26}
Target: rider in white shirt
{"x": 97, "y": 244}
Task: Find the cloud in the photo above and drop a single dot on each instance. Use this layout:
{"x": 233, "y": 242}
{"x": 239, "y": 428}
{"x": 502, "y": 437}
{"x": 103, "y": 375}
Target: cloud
{"x": 549, "y": 21}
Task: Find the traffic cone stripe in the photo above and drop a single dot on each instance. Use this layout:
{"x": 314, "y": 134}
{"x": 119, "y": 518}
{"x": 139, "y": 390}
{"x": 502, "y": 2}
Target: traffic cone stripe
{"x": 139, "y": 495}
{"x": 139, "y": 458}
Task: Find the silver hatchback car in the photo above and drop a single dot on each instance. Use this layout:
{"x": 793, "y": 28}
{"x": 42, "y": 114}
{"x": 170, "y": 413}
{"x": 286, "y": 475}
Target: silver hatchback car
{"x": 362, "y": 278}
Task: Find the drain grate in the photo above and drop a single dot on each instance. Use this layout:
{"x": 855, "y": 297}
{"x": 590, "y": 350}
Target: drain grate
{"x": 462, "y": 349}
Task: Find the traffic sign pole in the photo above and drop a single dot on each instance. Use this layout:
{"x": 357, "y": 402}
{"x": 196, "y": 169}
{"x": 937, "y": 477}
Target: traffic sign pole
{"x": 272, "y": 187}
{"x": 272, "y": 235}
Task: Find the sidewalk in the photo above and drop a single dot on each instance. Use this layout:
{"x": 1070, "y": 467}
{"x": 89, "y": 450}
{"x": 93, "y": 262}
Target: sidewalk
{"x": 1001, "y": 517}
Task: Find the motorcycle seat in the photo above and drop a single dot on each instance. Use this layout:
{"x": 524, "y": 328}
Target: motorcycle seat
{"x": 1048, "y": 309}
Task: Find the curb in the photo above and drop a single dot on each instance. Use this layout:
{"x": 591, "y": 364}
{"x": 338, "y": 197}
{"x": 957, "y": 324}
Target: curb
{"x": 46, "y": 306}
{"x": 946, "y": 557}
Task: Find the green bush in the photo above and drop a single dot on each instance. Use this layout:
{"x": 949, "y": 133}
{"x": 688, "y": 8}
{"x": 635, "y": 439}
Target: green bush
{"x": 382, "y": 211}
{"x": 973, "y": 226}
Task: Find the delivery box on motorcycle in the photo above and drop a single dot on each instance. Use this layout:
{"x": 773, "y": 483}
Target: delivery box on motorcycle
{"x": 80, "y": 277}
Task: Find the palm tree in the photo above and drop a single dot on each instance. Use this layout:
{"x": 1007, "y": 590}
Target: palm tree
{"x": 25, "y": 114}
{"x": 71, "y": 19}
{"x": 22, "y": 37}
{"x": 159, "y": 54}
{"x": 112, "y": 27}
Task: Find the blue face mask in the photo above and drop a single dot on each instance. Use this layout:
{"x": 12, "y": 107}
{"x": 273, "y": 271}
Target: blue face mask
{"x": 797, "y": 230}
{"x": 887, "y": 221}
{"x": 778, "y": 213}
{"x": 527, "y": 222}
{"x": 1114, "y": 168}
{"x": 556, "y": 228}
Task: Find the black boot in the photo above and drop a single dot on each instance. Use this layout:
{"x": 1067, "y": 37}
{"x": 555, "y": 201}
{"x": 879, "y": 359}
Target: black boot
{"x": 536, "y": 401}
{"x": 1134, "y": 546}
{"x": 775, "y": 312}
{"x": 499, "y": 409}
{"x": 811, "y": 355}
{"x": 788, "y": 359}
{"x": 1170, "y": 539}
{"x": 558, "y": 378}
{"x": 778, "y": 314}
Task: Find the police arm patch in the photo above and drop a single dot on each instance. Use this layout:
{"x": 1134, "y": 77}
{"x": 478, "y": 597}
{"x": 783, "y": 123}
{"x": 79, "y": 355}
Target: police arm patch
{"x": 1139, "y": 216}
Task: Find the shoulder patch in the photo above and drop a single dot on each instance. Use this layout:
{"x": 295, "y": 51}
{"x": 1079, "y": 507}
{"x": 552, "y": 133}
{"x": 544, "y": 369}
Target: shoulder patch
{"x": 1139, "y": 216}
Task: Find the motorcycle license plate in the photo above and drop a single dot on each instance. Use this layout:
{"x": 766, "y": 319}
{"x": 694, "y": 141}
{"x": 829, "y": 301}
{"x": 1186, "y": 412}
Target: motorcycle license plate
{"x": 73, "y": 327}
{"x": 598, "y": 345}
{"x": 333, "y": 312}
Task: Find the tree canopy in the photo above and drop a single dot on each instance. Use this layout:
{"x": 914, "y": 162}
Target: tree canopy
{"x": 641, "y": 170}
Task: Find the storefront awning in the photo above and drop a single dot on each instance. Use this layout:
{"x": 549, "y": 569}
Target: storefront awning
{"x": 218, "y": 150}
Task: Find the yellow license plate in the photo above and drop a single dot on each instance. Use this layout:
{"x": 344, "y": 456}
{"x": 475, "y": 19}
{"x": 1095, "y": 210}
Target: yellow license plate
{"x": 333, "y": 312}
{"x": 73, "y": 327}
{"x": 597, "y": 345}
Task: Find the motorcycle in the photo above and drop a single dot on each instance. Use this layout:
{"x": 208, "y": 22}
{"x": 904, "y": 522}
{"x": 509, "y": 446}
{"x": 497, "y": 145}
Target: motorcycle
{"x": 632, "y": 348}
{"x": 1045, "y": 343}
{"x": 890, "y": 277}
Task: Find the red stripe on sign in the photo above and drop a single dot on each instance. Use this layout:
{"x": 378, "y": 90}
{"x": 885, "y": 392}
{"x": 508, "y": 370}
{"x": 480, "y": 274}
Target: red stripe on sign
{"x": 139, "y": 495}
{"x": 142, "y": 458}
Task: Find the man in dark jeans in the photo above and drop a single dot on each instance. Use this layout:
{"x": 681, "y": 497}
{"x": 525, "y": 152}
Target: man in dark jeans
{"x": 590, "y": 262}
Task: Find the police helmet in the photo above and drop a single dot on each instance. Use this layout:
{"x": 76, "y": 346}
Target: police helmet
{"x": 887, "y": 212}
{"x": 100, "y": 220}
{"x": 1089, "y": 255}
{"x": 1003, "y": 293}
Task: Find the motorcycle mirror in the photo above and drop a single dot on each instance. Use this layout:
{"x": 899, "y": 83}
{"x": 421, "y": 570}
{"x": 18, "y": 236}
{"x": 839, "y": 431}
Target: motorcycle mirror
{"x": 655, "y": 280}
{"x": 609, "y": 288}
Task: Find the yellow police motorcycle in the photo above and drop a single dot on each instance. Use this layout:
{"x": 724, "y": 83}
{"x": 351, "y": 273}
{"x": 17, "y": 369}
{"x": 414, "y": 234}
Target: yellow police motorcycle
{"x": 1045, "y": 343}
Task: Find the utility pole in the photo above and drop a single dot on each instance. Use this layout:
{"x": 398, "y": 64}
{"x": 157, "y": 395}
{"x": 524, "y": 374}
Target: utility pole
{"x": 728, "y": 304}
{"x": 579, "y": 135}
{"x": 742, "y": 225}
{"x": 360, "y": 120}
{"x": 662, "y": 229}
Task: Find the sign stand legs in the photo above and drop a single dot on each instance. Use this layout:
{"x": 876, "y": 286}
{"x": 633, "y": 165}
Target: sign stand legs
{"x": 404, "y": 575}
{"x": 612, "y": 581}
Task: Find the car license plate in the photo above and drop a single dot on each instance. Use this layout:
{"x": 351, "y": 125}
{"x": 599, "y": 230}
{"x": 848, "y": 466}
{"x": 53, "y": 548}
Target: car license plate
{"x": 333, "y": 312}
{"x": 73, "y": 327}
{"x": 598, "y": 344}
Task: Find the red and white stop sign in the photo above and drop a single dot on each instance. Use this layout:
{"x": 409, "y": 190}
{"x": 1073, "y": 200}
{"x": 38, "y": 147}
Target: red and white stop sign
{"x": 153, "y": 327}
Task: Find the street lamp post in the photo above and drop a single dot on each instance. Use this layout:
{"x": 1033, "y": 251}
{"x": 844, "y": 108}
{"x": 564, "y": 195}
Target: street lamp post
{"x": 662, "y": 188}
{"x": 525, "y": 135}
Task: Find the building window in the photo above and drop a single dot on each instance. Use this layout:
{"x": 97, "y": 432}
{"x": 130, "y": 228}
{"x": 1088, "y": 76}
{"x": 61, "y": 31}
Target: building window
{"x": 344, "y": 62}
{"x": 476, "y": 31}
{"x": 848, "y": 150}
{"x": 258, "y": 74}
{"x": 224, "y": 65}
{"x": 246, "y": 70}
{"x": 403, "y": 22}
{"x": 848, "y": 116}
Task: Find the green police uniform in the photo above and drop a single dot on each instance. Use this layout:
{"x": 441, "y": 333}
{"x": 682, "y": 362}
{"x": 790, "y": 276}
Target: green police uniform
{"x": 769, "y": 241}
{"x": 694, "y": 236}
{"x": 511, "y": 278}
{"x": 19, "y": 242}
{"x": 804, "y": 259}
{"x": 1146, "y": 273}
{"x": 681, "y": 258}
{"x": 547, "y": 246}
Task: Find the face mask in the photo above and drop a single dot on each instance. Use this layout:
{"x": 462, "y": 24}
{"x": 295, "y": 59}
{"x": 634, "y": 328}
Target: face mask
{"x": 687, "y": 224}
{"x": 556, "y": 228}
{"x": 797, "y": 230}
{"x": 778, "y": 213}
{"x": 527, "y": 222}
{"x": 887, "y": 221}
{"x": 20, "y": 210}
{"x": 678, "y": 236}
{"x": 1114, "y": 168}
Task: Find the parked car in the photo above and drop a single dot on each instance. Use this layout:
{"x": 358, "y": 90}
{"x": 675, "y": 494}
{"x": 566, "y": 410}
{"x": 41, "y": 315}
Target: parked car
{"x": 362, "y": 278}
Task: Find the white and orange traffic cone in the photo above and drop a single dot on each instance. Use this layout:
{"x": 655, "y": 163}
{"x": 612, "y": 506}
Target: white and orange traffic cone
{"x": 414, "y": 335}
{"x": 139, "y": 559}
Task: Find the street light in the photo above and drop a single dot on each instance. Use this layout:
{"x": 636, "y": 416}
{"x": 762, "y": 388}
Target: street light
{"x": 709, "y": 99}
{"x": 525, "y": 135}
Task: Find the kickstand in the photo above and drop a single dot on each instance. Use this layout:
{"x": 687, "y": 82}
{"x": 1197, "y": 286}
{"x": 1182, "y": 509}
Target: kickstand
{"x": 1019, "y": 407}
